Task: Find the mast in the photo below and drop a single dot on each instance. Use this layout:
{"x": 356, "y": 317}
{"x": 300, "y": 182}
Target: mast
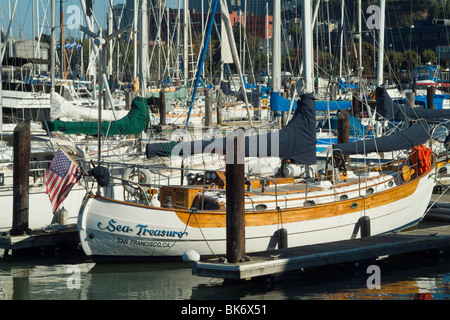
{"x": 307, "y": 47}
{"x": 177, "y": 59}
{"x": 381, "y": 44}
{"x": 143, "y": 43}
{"x": 276, "y": 47}
{"x": 341, "y": 42}
{"x": 135, "y": 20}
{"x": 110, "y": 30}
{"x": 359, "y": 45}
{"x": 185, "y": 43}
{"x": 226, "y": 19}
{"x": 62, "y": 61}
{"x": 52, "y": 46}
{"x": 267, "y": 41}
{"x": 202, "y": 58}
{"x": 1, "y": 63}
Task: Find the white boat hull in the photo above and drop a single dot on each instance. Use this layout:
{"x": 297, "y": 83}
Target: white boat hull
{"x": 112, "y": 229}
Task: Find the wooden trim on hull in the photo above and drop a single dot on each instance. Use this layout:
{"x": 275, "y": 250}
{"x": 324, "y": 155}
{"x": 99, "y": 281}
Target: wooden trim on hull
{"x": 217, "y": 218}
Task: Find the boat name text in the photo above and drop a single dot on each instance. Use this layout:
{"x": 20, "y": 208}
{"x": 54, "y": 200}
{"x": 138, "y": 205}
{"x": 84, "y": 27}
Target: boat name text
{"x": 140, "y": 230}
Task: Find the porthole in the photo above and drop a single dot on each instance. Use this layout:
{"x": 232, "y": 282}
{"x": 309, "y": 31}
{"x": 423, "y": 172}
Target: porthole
{"x": 260, "y": 207}
{"x": 309, "y": 203}
{"x": 343, "y": 197}
{"x": 354, "y": 205}
{"x": 391, "y": 184}
{"x": 369, "y": 191}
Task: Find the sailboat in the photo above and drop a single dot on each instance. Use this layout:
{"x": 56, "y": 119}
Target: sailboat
{"x": 313, "y": 209}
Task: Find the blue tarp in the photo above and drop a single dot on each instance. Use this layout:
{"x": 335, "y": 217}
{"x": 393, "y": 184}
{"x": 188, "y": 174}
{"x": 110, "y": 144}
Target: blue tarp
{"x": 279, "y": 103}
{"x": 438, "y": 100}
{"x": 343, "y": 85}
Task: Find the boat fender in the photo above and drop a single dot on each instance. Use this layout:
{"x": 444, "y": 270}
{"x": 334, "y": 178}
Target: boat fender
{"x": 364, "y": 222}
{"x": 282, "y": 238}
{"x": 191, "y": 256}
{"x": 131, "y": 188}
{"x": 154, "y": 201}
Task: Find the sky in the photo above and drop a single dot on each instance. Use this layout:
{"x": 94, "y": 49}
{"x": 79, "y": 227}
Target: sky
{"x": 22, "y": 22}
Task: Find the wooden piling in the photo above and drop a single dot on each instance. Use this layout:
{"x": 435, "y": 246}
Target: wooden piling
{"x": 162, "y": 107}
{"x": 21, "y": 178}
{"x": 219, "y": 108}
{"x": 208, "y": 109}
{"x": 410, "y": 99}
{"x": 430, "y": 97}
{"x": 356, "y": 106}
{"x": 343, "y": 127}
{"x": 235, "y": 221}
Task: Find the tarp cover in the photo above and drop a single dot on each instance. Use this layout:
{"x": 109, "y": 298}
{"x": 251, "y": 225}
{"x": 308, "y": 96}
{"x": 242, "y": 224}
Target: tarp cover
{"x": 415, "y": 135}
{"x": 392, "y": 110}
{"x": 279, "y": 103}
{"x": 134, "y": 122}
{"x": 296, "y": 141}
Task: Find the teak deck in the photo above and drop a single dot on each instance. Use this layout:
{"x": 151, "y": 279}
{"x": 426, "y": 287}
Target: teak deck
{"x": 290, "y": 259}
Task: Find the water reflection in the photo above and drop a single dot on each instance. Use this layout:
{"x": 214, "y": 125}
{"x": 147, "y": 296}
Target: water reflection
{"x": 37, "y": 278}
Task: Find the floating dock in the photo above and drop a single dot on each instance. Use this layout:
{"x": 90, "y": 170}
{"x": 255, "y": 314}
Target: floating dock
{"x": 427, "y": 236}
{"x": 64, "y": 236}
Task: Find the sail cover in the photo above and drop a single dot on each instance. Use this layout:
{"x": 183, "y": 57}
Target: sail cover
{"x": 415, "y": 135}
{"x": 393, "y": 110}
{"x": 296, "y": 141}
{"x": 279, "y": 103}
{"x": 134, "y": 122}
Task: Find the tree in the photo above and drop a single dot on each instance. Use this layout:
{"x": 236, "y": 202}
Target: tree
{"x": 428, "y": 55}
{"x": 434, "y": 10}
{"x": 395, "y": 59}
{"x": 410, "y": 60}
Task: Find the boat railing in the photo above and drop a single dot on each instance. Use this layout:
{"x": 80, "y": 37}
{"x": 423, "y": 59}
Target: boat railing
{"x": 36, "y": 175}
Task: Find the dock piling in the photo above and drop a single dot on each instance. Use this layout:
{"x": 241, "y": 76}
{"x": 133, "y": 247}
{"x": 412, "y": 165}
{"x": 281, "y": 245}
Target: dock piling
{"x": 21, "y": 178}
{"x": 235, "y": 221}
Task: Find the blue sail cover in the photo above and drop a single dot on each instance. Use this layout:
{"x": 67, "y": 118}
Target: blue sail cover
{"x": 413, "y": 136}
{"x": 343, "y": 85}
{"x": 296, "y": 141}
{"x": 438, "y": 100}
{"x": 392, "y": 110}
{"x": 279, "y": 103}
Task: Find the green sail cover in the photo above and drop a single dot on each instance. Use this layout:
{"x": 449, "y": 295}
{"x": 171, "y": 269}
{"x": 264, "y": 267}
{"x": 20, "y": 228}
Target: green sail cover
{"x": 134, "y": 122}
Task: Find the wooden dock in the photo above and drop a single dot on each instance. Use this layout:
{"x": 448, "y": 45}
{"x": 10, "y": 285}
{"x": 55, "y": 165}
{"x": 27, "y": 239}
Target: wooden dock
{"x": 64, "y": 236}
{"x": 427, "y": 236}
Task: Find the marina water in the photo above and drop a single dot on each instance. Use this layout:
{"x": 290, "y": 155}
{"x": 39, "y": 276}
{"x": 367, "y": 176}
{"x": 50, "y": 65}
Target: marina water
{"x": 69, "y": 276}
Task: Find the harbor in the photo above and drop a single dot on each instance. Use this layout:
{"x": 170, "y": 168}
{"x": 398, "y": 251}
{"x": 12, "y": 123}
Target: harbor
{"x": 155, "y": 151}
{"x": 277, "y": 262}
{"x": 44, "y": 275}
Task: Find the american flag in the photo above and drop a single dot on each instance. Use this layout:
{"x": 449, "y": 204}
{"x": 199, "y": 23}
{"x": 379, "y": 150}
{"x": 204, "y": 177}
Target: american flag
{"x": 60, "y": 177}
